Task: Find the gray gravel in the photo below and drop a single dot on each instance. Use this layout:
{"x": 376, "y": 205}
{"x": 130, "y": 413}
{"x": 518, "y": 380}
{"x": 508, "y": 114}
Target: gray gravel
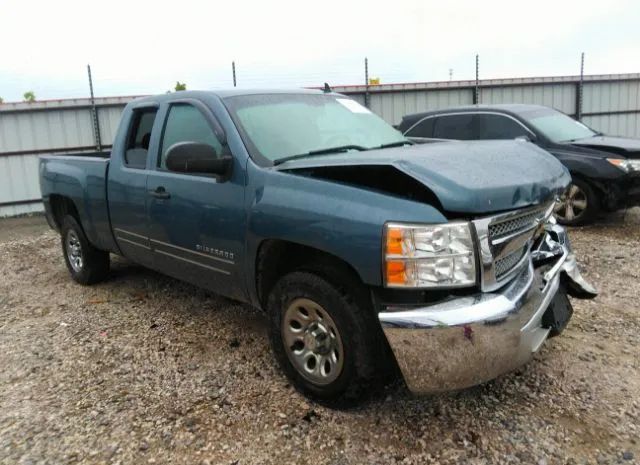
{"x": 145, "y": 369}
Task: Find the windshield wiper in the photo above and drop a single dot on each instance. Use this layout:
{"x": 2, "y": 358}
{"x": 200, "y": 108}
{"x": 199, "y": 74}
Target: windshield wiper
{"x": 340, "y": 148}
{"x": 399, "y": 143}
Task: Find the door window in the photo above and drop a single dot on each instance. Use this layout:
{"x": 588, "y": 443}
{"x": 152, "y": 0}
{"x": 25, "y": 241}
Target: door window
{"x": 423, "y": 129}
{"x": 498, "y": 127}
{"x": 185, "y": 123}
{"x": 135, "y": 155}
{"x": 461, "y": 127}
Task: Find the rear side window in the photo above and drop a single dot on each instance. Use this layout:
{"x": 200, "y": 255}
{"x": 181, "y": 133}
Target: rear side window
{"x": 139, "y": 135}
{"x": 460, "y": 127}
{"x": 185, "y": 123}
{"x": 498, "y": 127}
{"x": 423, "y": 129}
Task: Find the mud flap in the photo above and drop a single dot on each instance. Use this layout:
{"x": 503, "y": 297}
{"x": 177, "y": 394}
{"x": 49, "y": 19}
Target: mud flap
{"x": 558, "y": 314}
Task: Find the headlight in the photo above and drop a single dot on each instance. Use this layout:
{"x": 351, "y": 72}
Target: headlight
{"x": 420, "y": 256}
{"x": 625, "y": 165}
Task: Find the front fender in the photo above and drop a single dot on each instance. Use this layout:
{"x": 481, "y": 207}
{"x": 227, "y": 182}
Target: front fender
{"x": 588, "y": 166}
{"x": 339, "y": 219}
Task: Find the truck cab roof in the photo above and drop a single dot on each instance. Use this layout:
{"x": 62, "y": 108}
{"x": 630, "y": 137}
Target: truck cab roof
{"x": 223, "y": 93}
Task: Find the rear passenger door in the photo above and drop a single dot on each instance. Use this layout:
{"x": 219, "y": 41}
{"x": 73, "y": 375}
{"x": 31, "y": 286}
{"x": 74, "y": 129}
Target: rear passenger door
{"x": 496, "y": 126}
{"x": 127, "y": 183}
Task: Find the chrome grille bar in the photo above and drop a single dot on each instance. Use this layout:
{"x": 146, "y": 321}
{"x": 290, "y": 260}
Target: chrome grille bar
{"x": 504, "y": 265}
{"x": 520, "y": 223}
{"x": 504, "y": 243}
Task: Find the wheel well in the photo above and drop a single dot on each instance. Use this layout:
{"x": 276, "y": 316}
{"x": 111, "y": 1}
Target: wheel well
{"x": 62, "y": 206}
{"x": 599, "y": 187}
{"x": 276, "y": 258}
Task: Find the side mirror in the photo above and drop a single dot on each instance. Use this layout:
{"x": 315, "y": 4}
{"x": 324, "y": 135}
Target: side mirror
{"x": 196, "y": 157}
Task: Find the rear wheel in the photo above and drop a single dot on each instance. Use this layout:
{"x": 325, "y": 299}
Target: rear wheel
{"x": 86, "y": 264}
{"x": 328, "y": 344}
{"x": 578, "y": 205}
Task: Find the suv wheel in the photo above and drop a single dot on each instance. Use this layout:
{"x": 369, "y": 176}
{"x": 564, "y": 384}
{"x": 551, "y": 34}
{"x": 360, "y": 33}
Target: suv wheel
{"x": 578, "y": 205}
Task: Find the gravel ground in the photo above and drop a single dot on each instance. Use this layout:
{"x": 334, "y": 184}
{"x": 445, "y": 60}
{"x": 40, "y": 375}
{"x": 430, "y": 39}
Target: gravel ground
{"x": 145, "y": 369}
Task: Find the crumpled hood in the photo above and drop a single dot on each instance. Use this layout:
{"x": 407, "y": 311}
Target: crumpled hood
{"x": 467, "y": 177}
{"x": 620, "y": 145}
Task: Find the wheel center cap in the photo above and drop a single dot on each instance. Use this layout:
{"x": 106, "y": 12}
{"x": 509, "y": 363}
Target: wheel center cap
{"x": 317, "y": 338}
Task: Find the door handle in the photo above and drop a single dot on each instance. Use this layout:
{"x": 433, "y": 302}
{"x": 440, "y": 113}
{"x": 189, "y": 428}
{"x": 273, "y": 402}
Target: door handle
{"x": 160, "y": 193}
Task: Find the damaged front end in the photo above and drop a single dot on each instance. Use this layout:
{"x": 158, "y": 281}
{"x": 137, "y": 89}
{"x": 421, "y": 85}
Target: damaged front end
{"x": 462, "y": 341}
{"x": 554, "y": 247}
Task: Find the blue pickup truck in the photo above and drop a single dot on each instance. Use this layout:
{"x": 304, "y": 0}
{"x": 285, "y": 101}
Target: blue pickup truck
{"x": 372, "y": 257}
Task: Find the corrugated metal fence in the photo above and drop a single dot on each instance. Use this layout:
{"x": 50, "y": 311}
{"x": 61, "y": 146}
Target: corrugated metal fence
{"x": 47, "y": 127}
{"x": 609, "y": 103}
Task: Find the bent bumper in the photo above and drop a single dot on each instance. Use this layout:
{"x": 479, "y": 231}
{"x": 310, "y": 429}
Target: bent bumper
{"x": 466, "y": 341}
{"x": 623, "y": 192}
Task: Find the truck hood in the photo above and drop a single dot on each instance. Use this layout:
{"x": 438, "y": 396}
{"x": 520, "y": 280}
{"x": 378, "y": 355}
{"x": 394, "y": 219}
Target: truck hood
{"x": 620, "y": 145}
{"x": 466, "y": 177}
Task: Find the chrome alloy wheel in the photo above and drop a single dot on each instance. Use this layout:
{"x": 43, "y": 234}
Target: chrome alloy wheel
{"x": 74, "y": 251}
{"x": 312, "y": 342}
{"x": 572, "y": 204}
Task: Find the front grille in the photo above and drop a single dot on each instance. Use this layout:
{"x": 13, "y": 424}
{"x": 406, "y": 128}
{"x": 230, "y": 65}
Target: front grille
{"x": 515, "y": 225}
{"x": 504, "y": 241}
{"x": 506, "y": 264}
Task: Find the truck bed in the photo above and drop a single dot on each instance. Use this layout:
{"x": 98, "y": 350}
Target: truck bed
{"x": 102, "y": 154}
{"x": 81, "y": 178}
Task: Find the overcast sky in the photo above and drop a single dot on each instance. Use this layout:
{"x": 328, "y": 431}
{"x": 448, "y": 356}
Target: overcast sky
{"x": 141, "y": 47}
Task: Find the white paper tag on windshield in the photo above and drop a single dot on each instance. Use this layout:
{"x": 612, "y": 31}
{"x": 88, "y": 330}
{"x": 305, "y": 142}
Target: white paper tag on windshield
{"x": 353, "y": 105}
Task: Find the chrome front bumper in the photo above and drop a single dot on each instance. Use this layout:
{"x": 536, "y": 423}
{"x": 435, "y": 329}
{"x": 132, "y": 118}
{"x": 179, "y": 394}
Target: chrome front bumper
{"x": 465, "y": 341}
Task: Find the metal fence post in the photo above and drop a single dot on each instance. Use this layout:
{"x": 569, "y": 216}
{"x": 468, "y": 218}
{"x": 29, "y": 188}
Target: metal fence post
{"x": 476, "y": 89}
{"x": 233, "y": 69}
{"x": 94, "y": 114}
{"x": 366, "y": 82}
{"x": 579, "y": 89}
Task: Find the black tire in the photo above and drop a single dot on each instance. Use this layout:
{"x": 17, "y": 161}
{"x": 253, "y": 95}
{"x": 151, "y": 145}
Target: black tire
{"x": 365, "y": 357}
{"x": 93, "y": 266}
{"x": 584, "y": 192}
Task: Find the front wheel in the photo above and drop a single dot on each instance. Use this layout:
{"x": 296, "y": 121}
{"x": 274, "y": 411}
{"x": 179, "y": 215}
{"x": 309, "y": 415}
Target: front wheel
{"x": 578, "y": 205}
{"x": 327, "y": 344}
{"x": 86, "y": 264}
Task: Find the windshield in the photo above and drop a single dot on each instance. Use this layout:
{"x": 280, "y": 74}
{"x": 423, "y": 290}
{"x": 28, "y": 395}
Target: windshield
{"x": 557, "y": 126}
{"x": 277, "y": 126}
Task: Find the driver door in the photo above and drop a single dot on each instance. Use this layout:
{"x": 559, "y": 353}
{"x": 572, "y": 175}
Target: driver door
{"x": 196, "y": 221}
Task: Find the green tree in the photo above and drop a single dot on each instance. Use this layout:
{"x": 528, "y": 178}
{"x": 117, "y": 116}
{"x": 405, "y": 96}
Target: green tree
{"x": 29, "y": 96}
{"x": 180, "y": 86}
{"x": 1, "y": 100}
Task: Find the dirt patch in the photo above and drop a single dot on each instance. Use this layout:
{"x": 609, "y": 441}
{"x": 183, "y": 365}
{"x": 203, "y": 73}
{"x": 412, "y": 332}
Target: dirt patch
{"x": 12, "y": 229}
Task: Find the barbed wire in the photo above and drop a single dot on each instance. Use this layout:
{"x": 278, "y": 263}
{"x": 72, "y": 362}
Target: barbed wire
{"x": 250, "y": 73}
